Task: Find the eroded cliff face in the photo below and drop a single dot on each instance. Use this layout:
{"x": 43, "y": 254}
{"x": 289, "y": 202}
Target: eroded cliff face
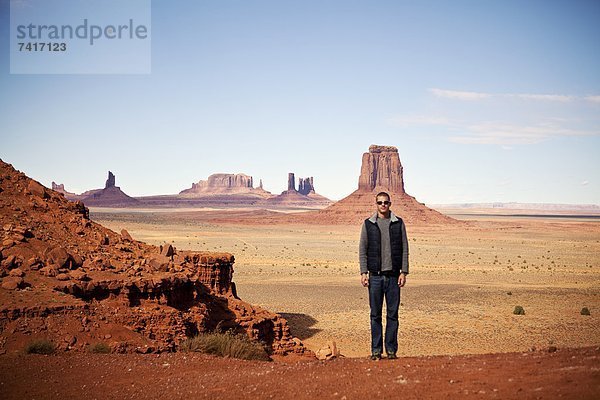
{"x": 70, "y": 280}
{"x": 381, "y": 168}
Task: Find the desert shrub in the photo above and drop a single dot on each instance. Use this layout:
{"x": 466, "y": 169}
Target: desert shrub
{"x": 519, "y": 310}
{"x": 100, "y": 348}
{"x": 226, "y": 344}
{"x": 41, "y": 346}
{"x": 585, "y": 311}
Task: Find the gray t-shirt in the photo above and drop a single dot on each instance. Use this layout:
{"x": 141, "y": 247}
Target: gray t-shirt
{"x": 386, "y": 247}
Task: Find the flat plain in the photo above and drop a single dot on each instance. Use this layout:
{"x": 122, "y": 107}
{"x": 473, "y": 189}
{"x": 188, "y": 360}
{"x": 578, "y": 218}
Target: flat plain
{"x": 463, "y": 286}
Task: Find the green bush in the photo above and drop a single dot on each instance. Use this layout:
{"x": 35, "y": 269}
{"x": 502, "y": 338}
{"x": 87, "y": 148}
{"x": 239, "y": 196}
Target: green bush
{"x": 585, "y": 311}
{"x": 100, "y": 348}
{"x": 519, "y": 310}
{"x": 226, "y": 345}
{"x": 41, "y": 346}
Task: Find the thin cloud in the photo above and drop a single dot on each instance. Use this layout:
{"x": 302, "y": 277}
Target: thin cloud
{"x": 460, "y": 95}
{"x": 545, "y": 97}
{"x": 585, "y": 183}
{"x": 593, "y": 99}
{"x": 507, "y": 134}
{"x": 474, "y": 96}
{"x": 493, "y": 132}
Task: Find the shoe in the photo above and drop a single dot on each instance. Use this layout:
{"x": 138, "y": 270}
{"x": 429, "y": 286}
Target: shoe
{"x": 375, "y": 356}
{"x": 392, "y": 356}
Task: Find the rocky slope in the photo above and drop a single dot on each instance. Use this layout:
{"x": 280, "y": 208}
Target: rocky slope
{"x": 67, "y": 279}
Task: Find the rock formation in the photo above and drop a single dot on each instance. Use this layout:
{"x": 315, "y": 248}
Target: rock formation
{"x": 218, "y": 184}
{"x": 110, "y": 196}
{"x": 381, "y": 170}
{"x": 69, "y": 280}
{"x": 110, "y": 182}
{"x": 60, "y": 188}
{"x": 304, "y": 197}
{"x": 305, "y": 186}
{"x": 291, "y": 181}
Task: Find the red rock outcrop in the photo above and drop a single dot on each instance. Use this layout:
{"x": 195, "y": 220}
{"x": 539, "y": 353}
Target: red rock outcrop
{"x": 381, "y": 170}
{"x": 68, "y": 279}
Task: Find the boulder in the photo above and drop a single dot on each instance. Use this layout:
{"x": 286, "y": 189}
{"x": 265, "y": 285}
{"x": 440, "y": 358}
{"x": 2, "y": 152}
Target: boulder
{"x": 328, "y": 351}
{"x": 13, "y": 283}
{"x": 58, "y": 256}
{"x": 126, "y": 236}
{"x": 18, "y": 272}
{"x": 167, "y": 250}
{"x": 37, "y": 189}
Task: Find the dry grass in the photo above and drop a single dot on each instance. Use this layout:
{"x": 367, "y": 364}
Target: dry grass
{"x": 42, "y": 346}
{"x": 100, "y": 348}
{"x": 226, "y": 345}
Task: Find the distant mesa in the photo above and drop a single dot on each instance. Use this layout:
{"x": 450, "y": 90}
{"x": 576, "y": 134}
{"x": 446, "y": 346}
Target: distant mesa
{"x": 60, "y": 188}
{"x": 381, "y": 171}
{"x": 110, "y": 196}
{"x": 218, "y": 184}
{"x": 305, "y": 196}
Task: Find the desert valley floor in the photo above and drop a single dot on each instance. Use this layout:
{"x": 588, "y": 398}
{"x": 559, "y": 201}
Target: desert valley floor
{"x": 458, "y": 336}
{"x": 464, "y": 281}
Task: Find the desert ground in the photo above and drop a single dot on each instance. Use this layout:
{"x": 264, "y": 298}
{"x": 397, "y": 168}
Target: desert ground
{"x": 463, "y": 286}
{"x": 563, "y": 374}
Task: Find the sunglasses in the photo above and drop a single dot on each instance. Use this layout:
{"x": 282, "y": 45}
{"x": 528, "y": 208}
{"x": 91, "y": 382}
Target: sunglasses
{"x": 384, "y": 203}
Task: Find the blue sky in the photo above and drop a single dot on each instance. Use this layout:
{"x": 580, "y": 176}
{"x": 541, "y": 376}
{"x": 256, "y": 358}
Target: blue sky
{"x": 485, "y": 100}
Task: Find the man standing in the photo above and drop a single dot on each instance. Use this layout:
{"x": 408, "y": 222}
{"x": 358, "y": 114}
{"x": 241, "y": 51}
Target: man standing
{"x": 383, "y": 256}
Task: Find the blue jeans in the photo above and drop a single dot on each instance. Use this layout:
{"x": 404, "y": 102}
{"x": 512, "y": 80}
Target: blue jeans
{"x": 380, "y": 287}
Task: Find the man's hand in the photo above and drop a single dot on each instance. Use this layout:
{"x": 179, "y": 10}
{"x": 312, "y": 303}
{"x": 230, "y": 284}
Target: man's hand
{"x": 402, "y": 280}
{"x": 364, "y": 279}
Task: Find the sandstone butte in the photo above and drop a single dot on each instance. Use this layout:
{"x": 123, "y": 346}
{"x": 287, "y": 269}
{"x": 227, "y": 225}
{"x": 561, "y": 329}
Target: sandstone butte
{"x": 381, "y": 171}
{"x": 67, "y": 279}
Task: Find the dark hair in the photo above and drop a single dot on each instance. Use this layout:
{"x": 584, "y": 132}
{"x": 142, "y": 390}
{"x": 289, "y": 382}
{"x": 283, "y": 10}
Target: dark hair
{"x": 383, "y": 194}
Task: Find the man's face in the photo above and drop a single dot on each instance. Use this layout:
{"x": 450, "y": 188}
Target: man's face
{"x": 383, "y": 204}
